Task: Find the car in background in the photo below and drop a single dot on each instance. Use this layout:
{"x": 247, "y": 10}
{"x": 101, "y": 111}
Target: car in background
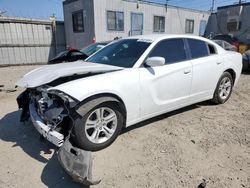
{"x": 72, "y": 54}
{"x": 246, "y": 60}
{"x": 128, "y": 81}
{"x": 228, "y": 38}
{"x": 69, "y": 55}
{"x": 226, "y": 45}
{"x": 91, "y": 49}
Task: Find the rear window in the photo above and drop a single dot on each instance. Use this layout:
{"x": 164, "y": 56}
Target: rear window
{"x": 212, "y": 49}
{"x": 173, "y": 50}
{"x": 226, "y": 38}
{"x": 198, "y": 48}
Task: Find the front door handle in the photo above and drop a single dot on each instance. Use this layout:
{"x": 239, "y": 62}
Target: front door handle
{"x": 187, "y": 71}
{"x": 219, "y": 62}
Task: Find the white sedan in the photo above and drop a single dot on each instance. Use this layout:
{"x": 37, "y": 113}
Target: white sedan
{"x": 126, "y": 82}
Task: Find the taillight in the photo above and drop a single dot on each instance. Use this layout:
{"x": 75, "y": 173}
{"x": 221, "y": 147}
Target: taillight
{"x": 93, "y": 40}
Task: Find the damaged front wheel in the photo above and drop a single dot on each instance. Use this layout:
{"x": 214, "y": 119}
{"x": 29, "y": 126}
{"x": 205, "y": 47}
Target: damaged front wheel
{"x": 99, "y": 127}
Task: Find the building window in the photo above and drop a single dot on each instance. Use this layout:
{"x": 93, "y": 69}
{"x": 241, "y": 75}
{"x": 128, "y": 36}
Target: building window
{"x": 115, "y": 21}
{"x": 77, "y": 20}
{"x": 189, "y": 26}
{"x": 233, "y": 26}
{"x": 159, "y": 24}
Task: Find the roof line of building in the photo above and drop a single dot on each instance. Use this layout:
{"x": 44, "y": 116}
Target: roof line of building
{"x": 164, "y": 5}
{"x": 234, "y": 5}
{"x": 5, "y": 19}
{"x": 150, "y": 3}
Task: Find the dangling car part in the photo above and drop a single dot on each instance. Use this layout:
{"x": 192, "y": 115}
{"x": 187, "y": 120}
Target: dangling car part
{"x": 124, "y": 83}
{"x": 77, "y": 163}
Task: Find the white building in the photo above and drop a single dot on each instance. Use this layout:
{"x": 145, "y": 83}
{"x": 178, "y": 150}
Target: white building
{"x": 104, "y": 20}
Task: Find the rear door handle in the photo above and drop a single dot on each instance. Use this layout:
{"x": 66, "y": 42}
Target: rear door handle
{"x": 187, "y": 71}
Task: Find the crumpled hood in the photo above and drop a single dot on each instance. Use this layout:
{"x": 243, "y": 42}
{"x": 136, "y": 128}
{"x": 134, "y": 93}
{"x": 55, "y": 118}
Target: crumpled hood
{"x": 49, "y": 73}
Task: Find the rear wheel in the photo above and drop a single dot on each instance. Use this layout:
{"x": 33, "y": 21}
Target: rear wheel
{"x": 245, "y": 66}
{"x": 223, "y": 89}
{"x": 99, "y": 127}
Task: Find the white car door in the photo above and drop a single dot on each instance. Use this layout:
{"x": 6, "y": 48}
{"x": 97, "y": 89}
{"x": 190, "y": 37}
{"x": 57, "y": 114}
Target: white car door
{"x": 166, "y": 87}
{"x": 207, "y": 69}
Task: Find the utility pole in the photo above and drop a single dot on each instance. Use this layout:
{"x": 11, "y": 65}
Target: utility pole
{"x": 166, "y": 5}
{"x": 239, "y": 1}
{"x": 212, "y": 8}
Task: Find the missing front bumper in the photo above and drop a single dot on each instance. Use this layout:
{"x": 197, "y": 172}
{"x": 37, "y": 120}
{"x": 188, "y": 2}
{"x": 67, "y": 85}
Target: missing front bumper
{"x": 53, "y": 136}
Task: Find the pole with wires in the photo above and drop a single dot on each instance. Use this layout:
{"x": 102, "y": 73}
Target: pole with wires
{"x": 166, "y": 5}
{"x": 212, "y": 8}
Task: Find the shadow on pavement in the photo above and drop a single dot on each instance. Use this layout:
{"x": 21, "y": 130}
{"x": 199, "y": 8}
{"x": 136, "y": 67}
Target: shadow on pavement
{"x": 25, "y": 136}
{"x": 166, "y": 115}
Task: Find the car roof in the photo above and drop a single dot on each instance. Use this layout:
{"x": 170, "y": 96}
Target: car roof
{"x": 155, "y": 37}
{"x": 103, "y": 42}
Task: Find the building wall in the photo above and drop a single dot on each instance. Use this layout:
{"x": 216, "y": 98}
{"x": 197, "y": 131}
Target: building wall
{"x": 175, "y": 17}
{"x": 60, "y": 39}
{"x": 26, "y": 41}
{"x": 79, "y": 39}
{"x": 212, "y": 26}
{"x": 218, "y": 23}
{"x": 243, "y": 34}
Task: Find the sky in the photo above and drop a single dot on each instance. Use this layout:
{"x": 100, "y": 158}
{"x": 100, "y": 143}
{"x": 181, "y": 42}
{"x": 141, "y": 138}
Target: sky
{"x": 42, "y": 9}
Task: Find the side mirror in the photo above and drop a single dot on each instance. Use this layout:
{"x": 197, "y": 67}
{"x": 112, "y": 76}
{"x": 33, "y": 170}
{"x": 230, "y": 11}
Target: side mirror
{"x": 155, "y": 61}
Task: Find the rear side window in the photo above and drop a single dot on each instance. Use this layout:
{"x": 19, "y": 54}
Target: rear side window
{"x": 173, "y": 50}
{"x": 198, "y": 48}
{"x": 212, "y": 49}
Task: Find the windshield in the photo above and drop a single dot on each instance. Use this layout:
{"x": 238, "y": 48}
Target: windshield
{"x": 123, "y": 53}
{"x": 92, "y": 48}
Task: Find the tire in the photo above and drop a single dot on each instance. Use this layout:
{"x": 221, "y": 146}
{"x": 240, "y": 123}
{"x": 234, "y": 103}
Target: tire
{"x": 89, "y": 127}
{"x": 245, "y": 66}
{"x": 223, "y": 89}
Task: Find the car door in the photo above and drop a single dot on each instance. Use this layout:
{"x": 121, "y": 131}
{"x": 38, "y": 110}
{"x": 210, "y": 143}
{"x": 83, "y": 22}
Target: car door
{"x": 166, "y": 87}
{"x": 207, "y": 69}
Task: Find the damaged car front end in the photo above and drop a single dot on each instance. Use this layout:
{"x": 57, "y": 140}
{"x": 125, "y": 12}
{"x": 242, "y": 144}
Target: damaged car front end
{"x": 51, "y": 112}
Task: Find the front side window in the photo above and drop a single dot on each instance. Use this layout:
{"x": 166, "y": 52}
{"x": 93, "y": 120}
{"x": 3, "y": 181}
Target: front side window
{"x": 198, "y": 48}
{"x": 173, "y": 50}
{"x": 159, "y": 24}
{"x": 189, "y": 26}
{"x": 123, "y": 53}
{"x": 115, "y": 21}
{"x": 77, "y": 20}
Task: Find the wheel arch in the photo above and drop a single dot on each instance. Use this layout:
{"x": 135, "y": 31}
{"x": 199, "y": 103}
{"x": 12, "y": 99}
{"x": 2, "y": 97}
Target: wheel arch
{"x": 232, "y": 72}
{"x": 94, "y": 100}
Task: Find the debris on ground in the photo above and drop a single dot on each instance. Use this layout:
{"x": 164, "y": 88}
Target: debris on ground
{"x": 77, "y": 163}
{"x": 8, "y": 90}
{"x": 203, "y": 184}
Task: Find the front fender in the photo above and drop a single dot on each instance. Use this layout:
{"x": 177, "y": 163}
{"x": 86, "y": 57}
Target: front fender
{"x": 124, "y": 84}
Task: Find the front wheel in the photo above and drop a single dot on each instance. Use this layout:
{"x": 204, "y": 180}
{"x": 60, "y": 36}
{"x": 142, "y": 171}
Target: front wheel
{"x": 99, "y": 127}
{"x": 223, "y": 89}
